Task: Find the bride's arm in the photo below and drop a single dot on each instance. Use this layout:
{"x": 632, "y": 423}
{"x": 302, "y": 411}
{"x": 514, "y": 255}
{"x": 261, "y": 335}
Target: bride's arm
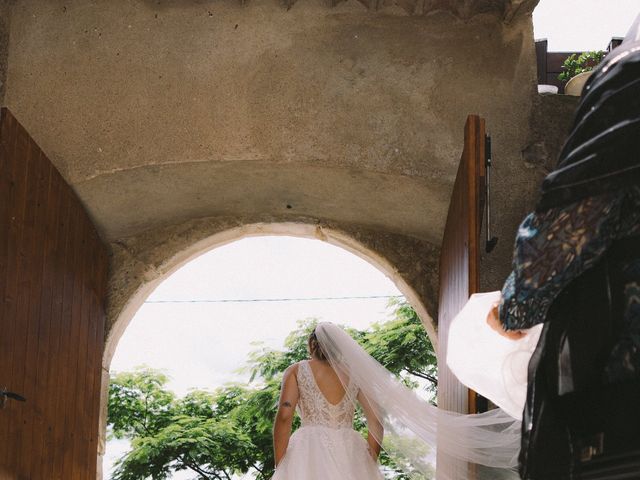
{"x": 286, "y": 409}
{"x": 375, "y": 429}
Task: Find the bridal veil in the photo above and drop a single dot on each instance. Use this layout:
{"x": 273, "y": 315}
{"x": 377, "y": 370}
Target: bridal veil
{"x": 484, "y": 446}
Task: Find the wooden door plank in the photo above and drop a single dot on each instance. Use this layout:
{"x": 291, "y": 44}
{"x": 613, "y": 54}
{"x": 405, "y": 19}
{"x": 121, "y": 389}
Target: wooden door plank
{"x": 18, "y": 173}
{"x": 81, "y": 422}
{"x": 474, "y": 141}
{"x": 8, "y": 192}
{"x": 47, "y": 324}
{"x": 54, "y": 364}
{"x": 7, "y": 144}
{"x": 20, "y": 318}
{"x": 31, "y": 424}
{"x": 94, "y": 367}
{"x": 71, "y": 362}
{"x": 65, "y": 348}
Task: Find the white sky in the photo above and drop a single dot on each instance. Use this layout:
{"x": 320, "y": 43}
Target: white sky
{"x": 581, "y": 25}
{"x": 203, "y": 344}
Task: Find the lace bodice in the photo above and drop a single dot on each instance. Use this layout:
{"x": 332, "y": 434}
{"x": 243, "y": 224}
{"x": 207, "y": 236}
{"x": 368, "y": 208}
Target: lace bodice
{"x": 315, "y": 409}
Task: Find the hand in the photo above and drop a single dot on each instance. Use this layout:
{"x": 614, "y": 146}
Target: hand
{"x": 494, "y": 322}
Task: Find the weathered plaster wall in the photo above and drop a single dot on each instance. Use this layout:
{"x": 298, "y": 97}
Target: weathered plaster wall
{"x": 5, "y": 20}
{"x": 516, "y": 180}
{"x": 158, "y": 112}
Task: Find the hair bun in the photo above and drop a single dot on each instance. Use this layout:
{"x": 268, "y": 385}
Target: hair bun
{"x": 314, "y": 347}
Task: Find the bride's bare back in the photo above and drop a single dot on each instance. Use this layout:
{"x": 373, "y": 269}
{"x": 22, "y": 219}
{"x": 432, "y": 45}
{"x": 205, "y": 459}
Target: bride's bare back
{"x": 327, "y": 380}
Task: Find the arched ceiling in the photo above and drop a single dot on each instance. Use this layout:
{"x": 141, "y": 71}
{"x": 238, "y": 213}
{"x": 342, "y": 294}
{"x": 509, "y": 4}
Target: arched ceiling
{"x": 160, "y": 111}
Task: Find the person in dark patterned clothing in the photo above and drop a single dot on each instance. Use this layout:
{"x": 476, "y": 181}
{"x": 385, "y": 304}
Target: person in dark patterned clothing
{"x": 591, "y": 200}
{"x": 576, "y": 268}
{"x": 554, "y": 247}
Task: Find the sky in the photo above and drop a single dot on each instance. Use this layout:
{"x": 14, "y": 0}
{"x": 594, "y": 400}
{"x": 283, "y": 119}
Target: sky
{"x": 582, "y": 25}
{"x": 202, "y": 345}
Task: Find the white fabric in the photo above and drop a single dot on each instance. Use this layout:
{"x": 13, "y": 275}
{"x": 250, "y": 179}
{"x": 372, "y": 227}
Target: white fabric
{"x": 326, "y": 446}
{"x": 413, "y": 428}
{"x": 324, "y": 453}
{"x": 485, "y": 361}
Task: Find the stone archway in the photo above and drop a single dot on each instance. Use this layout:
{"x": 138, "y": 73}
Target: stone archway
{"x": 392, "y": 255}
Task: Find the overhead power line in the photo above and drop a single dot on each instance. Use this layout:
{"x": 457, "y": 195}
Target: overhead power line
{"x": 255, "y": 300}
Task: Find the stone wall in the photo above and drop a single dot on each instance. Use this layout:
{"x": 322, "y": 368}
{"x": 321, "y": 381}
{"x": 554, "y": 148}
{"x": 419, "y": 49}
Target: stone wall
{"x": 160, "y": 112}
{"x": 516, "y": 181}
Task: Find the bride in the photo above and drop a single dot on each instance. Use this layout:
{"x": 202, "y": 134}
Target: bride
{"x": 339, "y": 376}
{"x": 326, "y": 446}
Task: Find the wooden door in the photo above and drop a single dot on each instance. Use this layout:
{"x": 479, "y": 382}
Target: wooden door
{"x": 459, "y": 260}
{"x": 53, "y": 276}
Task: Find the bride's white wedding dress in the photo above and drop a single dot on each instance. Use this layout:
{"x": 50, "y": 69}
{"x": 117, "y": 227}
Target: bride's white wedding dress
{"x": 325, "y": 447}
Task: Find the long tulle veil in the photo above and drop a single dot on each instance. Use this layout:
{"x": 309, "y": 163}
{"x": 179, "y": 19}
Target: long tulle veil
{"x": 414, "y": 430}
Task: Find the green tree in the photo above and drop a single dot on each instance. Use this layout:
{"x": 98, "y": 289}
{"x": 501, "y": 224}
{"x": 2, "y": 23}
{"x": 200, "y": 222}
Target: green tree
{"x": 402, "y": 346}
{"x": 579, "y": 63}
{"x": 138, "y": 403}
{"x": 196, "y": 432}
{"x": 229, "y": 431}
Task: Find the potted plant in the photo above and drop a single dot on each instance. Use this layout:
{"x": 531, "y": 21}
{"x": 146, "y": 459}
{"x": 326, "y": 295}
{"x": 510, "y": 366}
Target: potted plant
{"x": 577, "y": 68}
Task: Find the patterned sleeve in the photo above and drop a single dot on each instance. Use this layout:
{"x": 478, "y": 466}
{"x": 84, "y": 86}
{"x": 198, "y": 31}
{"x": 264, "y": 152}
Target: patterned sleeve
{"x": 553, "y": 248}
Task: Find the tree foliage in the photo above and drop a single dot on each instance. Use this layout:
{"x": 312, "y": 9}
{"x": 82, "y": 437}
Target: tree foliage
{"x": 579, "y": 63}
{"x": 229, "y": 431}
{"x": 402, "y": 346}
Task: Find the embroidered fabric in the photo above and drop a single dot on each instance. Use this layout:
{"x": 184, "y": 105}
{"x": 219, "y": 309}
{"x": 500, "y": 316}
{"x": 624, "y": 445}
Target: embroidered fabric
{"x": 555, "y": 247}
{"x": 315, "y": 409}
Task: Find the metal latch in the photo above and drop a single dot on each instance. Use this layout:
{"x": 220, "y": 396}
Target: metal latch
{"x": 4, "y": 394}
{"x": 491, "y": 241}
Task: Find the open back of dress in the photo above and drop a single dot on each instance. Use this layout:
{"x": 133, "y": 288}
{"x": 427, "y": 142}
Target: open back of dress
{"x": 315, "y": 409}
{"x": 326, "y": 445}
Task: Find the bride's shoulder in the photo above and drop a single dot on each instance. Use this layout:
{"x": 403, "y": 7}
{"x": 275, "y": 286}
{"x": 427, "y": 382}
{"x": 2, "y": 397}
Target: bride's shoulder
{"x": 293, "y": 369}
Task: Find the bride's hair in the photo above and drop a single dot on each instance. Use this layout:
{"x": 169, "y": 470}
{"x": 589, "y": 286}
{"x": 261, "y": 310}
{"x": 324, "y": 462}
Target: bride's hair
{"x": 314, "y": 347}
